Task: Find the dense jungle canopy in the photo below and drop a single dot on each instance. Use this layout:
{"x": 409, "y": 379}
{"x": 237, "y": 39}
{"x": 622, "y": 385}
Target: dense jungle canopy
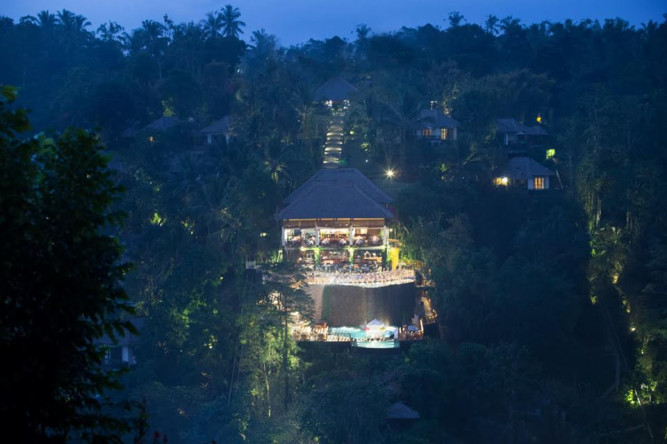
{"x": 553, "y": 305}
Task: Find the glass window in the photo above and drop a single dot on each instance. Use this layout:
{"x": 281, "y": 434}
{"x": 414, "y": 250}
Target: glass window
{"x": 538, "y": 183}
{"x": 443, "y": 133}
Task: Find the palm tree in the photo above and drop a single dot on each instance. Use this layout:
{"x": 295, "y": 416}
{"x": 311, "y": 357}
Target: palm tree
{"x": 72, "y": 30}
{"x": 231, "y": 25}
{"x": 491, "y": 24}
{"x": 212, "y": 26}
{"x": 44, "y": 20}
{"x": 110, "y": 32}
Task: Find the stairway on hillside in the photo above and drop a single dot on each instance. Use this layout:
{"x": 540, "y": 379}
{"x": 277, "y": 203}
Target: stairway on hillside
{"x": 333, "y": 147}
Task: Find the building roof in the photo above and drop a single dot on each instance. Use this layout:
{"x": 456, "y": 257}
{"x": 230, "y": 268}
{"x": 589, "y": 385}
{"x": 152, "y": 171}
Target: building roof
{"x": 511, "y": 126}
{"x": 525, "y": 168}
{"x": 219, "y": 127}
{"x": 337, "y": 193}
{"x": 335, "y": 89}
{"x": 163, "y": 123}
{"x": 335, "y": 176}
{"x": 126, "y": 339}
{"x": 398, "y": 410}
{"x": 435, "y": 118}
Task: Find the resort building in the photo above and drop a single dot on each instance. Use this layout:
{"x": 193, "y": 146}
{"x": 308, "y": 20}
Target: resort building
{"x": 524, "y": 172}
{"x": 335, "y": 92}
{"x": 338, "y": 218}
{"x": 518, "y": 137}
{"x": 434, "y": 126}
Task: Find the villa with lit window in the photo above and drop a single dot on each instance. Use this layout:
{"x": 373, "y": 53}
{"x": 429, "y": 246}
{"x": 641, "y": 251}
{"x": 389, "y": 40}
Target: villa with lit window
{"x": 338, "y": 218}
{"x": 435, "y": 127}
{"x": 524, "y": 172}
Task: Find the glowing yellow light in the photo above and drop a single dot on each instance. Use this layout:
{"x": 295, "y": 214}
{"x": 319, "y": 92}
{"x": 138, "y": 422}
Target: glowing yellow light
{"x": 551, "y": 153}
{"x": 390, "y": 173}
{"x": 501, "y": 181}
{"x": 539, "y": 118}
{"x": 263, "y": 234}
{"x": 151, "y": 139}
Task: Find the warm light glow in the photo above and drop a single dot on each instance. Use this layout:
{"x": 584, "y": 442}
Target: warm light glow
{"x": 501, "y": 181}
{"x": 390, "y": 173}
{"x": 551, "y": 153}
{"x": 539, "y": 118}
{"x": 263, "y": 234}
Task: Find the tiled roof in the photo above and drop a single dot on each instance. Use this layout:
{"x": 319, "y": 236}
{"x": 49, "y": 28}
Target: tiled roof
{"x": 337, "y": 193}
{"x": 435, "y": 118}
{"x": 219, "y": 127}
{"x": 525, "y": 168}
{"x": 398, "y": 410}
{"x": 163, "y": 123}
{"x": 511, "y": 126}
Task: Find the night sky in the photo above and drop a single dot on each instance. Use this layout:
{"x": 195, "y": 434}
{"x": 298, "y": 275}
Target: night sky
{"x": 296, "y": 21}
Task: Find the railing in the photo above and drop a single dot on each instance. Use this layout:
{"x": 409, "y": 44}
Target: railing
{"x": 372, "y": 279}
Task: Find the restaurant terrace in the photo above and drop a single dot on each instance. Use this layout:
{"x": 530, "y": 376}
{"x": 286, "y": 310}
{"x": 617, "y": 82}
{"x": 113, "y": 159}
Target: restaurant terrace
{"x": 337, "y": 225}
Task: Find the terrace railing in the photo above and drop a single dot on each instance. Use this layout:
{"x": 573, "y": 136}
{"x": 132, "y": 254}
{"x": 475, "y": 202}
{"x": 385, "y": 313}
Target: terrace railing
{"x": 372, "y": 279}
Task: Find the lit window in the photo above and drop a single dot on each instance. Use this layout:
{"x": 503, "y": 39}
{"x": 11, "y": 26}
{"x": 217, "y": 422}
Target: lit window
{"x": 443, "y": 133}
{"x": 538, "y": 183}
{"x": 501, "y": 181}
{"x": 427, "y": 132}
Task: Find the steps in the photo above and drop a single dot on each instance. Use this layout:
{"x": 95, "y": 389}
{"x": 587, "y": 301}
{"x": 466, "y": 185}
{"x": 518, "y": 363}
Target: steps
{"x": 333, "y": 148}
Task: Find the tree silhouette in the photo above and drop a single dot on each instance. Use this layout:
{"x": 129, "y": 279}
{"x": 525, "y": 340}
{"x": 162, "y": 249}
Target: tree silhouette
{"x": 60, "y": 289}
{"x": 231, "y": 25}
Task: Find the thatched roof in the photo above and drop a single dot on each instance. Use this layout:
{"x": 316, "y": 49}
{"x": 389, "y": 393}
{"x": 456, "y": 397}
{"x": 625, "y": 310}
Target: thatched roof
{"x": 335, "y": 89}
{"x": 398, "y": 410}
{"x": 219, "y": 127}
{"x": 435, "y": 118}
{"x": 511, "y": 126}
{"x": 337, "y": 193}
{"x": 525, "y": 168}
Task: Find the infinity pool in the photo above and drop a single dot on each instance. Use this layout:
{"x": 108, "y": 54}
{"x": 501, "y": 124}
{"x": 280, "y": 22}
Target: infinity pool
{"x": 368, "y": 339}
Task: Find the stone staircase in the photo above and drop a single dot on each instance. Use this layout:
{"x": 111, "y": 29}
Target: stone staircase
{"x": 333, "y": 147}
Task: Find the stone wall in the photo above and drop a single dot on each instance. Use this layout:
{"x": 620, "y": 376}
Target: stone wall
{"x": 352, "y": 306}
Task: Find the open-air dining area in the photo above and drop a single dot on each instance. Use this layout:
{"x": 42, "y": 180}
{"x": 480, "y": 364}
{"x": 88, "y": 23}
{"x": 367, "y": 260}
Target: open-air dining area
{"x": 334, "y": 238}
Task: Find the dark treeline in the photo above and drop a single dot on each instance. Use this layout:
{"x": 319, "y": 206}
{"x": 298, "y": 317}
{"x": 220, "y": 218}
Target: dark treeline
{"x": 553, "y": 305}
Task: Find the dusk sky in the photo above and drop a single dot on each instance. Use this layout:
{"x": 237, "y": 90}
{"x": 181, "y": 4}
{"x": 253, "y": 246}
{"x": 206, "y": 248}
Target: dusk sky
{"x": 296, "y": 21}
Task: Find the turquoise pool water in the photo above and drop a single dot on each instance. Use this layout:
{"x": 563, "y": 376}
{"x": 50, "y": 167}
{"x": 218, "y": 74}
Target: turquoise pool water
{"x": 361, "y": 337}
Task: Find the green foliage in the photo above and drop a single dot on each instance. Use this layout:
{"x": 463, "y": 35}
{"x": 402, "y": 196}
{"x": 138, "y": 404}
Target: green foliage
{"x": 515, "y": 272}
{"x": 60, "y": 282}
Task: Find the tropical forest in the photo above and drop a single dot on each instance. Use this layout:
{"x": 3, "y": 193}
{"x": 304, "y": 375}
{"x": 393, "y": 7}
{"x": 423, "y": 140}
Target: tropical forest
{"x": 164, "y": 198}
